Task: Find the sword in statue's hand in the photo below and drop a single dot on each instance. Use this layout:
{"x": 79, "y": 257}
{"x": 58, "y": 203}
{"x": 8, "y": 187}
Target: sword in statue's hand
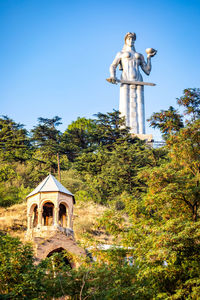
{"x": 115, "y": 81}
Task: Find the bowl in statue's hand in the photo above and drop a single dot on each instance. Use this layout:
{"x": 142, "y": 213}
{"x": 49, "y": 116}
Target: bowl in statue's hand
{"x": 151, "y": 51}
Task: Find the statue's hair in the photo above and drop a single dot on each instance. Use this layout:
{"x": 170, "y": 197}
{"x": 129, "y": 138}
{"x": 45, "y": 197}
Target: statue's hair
{"x": 133, "y": 34}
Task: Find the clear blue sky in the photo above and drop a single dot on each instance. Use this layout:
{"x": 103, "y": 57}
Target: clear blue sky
{"x": 55, "y": 55}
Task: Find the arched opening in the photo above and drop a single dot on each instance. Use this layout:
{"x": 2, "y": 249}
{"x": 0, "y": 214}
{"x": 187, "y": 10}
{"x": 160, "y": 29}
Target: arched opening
{"x": 35, "y": 216}
{"x": 61, "y": 258}
{"x": 62, "y": 215}
{"x": 48, "y": 214}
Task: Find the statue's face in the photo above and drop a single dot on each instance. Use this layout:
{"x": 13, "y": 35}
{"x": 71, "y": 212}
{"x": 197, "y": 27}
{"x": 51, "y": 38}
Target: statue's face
{"x": 130, "y": 41}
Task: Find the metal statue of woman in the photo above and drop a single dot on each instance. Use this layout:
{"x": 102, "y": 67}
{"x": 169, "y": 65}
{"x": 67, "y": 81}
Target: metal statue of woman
{"x": 132, "y": 86}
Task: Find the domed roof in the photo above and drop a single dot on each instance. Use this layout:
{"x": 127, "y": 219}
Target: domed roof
{"x": 50, "y": 184}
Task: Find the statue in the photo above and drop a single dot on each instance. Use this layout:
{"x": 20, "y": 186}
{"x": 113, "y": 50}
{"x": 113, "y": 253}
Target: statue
{"x": 132, "y": 86}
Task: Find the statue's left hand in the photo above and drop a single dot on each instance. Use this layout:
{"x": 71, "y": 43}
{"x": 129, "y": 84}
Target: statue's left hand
{"x": 151, "y": 52}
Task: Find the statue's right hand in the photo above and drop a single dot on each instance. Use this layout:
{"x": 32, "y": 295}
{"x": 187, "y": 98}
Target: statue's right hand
{"x": 112, "y": 80}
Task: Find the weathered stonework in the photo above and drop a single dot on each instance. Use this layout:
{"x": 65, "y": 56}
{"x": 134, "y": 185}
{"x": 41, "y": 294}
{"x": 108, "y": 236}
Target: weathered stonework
{"x": 58, "y": 240}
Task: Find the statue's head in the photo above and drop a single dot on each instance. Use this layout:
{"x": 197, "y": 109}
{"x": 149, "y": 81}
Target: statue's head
{"x": 130, "y": 38}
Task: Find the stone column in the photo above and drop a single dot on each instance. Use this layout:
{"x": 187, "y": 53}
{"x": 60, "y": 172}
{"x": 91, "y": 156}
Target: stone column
{"x": 141, "y": 111}
{"x": 133, "y": 109}
{"x": 56, "y": 216}
{"x": 40, "y": 216}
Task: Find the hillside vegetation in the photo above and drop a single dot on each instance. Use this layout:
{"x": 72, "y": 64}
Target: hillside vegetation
{"x": 143, "y": 199}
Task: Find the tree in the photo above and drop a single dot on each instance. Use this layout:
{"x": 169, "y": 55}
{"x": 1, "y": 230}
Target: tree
{"x": 86, "y": 135}
{"x": 78, "y": 138}
{"x": 190, "y": 101}
{"x": 168, "y": 121}
{"x": 110, "y": 172}
{"x": 15, "y": 153}
{"x": 164, "y": 221}
{"x": 110, "y": 129}
{"x": 113, "y": 273}
{"x": 19, "y": 277}
{"x": 46, "y": 139}
{"x": 171, "y": 121}
{"x": 185, "y": 160}
{"x": 14, "y": 141}
{"x": 169, "y": 250}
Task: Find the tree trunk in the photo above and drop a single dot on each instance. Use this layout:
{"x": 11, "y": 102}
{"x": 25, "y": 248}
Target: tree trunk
{"x": 58, "y": 161}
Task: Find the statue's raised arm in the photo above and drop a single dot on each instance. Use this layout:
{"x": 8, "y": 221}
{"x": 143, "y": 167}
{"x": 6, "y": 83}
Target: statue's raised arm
{"x": 146, "y": 66}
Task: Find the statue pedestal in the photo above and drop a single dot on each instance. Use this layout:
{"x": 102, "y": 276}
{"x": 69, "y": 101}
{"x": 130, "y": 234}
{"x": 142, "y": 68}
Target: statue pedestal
{"x": 144, "y": 137}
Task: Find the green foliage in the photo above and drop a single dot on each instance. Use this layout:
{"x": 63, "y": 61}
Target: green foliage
{"x": 109, "y": 172}
{"x": 116, "y": 280}
{"x": 72, "y": 180}
{"x": 10, "y": 195}
{"x": 153, "y": 199}
{"x": 92, "y": 144}
{"x": 168, "y": 121}
{"x": 111, "y": 129}
{"x": 102, "y": 281}
{"x": 106, "y": 157}
{"x": 78, "y": 138}
{"x": 171, "y": 121}
{"x": 13, "y": 185}
{"x": 83, "y": 196}
{"x": 191, "y": 103}
{"x": 19, "y": 277}
{"x": 86, "y": 135}
{"x": 14, "y": 141}
{"x": 46, "y": 140}
{"x": 165, "y": 228}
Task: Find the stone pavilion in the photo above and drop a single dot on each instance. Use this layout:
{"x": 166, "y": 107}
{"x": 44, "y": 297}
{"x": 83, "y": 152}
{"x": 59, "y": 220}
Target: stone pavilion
{"x": 50, "y": 220}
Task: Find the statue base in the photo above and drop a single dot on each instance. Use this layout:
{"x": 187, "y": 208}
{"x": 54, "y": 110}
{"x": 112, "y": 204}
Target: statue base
{"x": 144, "y": 137}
